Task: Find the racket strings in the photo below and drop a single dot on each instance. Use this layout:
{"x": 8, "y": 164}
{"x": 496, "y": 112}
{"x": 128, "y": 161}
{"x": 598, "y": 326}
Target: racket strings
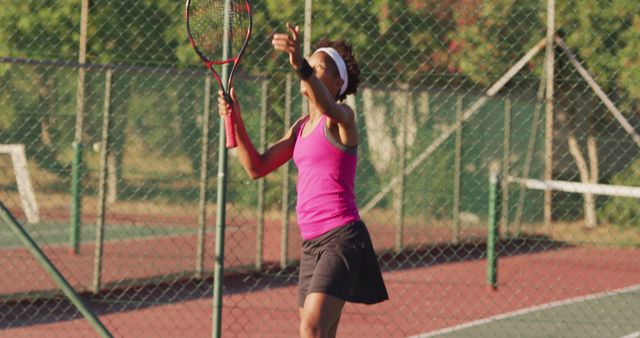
{"x": 207, "y": 26}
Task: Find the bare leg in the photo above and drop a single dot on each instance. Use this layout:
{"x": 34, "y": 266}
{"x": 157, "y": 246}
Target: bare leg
{"x": 333, "y": 330}
{"x": 320, "y": 316}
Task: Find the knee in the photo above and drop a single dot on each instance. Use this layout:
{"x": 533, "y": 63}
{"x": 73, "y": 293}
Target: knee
{"x": 309, "y": 329}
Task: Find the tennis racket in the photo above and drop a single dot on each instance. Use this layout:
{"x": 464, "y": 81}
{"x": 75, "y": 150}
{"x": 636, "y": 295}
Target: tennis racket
{"x": 219, "y": 32}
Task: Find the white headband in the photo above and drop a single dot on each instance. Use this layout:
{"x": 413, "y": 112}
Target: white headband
{"x": 342, "y": 66}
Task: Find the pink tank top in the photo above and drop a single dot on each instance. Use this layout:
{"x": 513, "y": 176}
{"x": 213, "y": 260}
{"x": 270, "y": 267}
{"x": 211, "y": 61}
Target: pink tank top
{"x": 326, "y": 175}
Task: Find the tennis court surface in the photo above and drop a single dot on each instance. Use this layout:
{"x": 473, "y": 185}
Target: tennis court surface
{"x": 498, "y": 166}
{"x": 570, "y": 298}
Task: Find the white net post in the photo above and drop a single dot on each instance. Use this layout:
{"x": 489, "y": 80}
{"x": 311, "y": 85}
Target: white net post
{"x": 25, "y": 189}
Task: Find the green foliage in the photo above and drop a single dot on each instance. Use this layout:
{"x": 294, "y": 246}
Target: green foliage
{"x": 501, "y": 31}
{"x": 138, "y": 32}
{"x": 624, "y": 211}
{"x": 40, "y": 29}
{"x": 8, "y": 115}
{"x": 605, "y": 36}
{"x": 8, "y": 110}
{"x": 629, "y": 58}
{"x": 424, "y": 43}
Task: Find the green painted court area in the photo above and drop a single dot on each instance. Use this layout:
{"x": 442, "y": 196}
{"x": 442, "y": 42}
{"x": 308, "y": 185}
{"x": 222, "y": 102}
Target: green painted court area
{"x": 613, "y": 314}
{"x": 47, "y": 234}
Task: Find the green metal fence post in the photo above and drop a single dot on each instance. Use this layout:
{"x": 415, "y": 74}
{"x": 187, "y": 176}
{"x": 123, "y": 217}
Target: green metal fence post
{"x": 102, "y": 186}
{"x": 76, "y": 198}
{"x": 262, "y": 182}
{"x": 506, "y": 163}
{"x": 492, "y": 236}
{"x": 400, "y": 190}
{"x": 204, "y": 178}
{"x": 549, "y": 71}
{"x": 221, "y": 198}
{"x": 76, "y": 174}
{"x": 457, "y": 173}
{"x": 306, "y": 42}
{"x": 284, "y": 229}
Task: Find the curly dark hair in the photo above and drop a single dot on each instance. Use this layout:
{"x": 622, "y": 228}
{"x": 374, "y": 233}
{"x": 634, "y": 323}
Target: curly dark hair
{"x": 353, "y": 70}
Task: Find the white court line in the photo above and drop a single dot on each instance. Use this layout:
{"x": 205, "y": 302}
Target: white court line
{"x": 632, "y": 335}
{"x": 533, "y": 309}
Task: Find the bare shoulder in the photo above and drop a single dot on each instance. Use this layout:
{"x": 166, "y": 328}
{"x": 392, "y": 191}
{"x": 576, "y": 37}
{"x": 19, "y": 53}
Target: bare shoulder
{"x": 296, "y": 125}
{"x": 350, "y": 115}
{"x": 292, "y": 132}
{"x": 346, "y": 131}
{"x": 347, "y": 109}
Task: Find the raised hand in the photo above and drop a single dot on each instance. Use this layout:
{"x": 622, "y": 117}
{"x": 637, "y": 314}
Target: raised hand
{"x": 290, "y": 44}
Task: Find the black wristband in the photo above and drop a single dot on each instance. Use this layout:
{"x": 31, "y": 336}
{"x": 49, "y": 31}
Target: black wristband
{"x": 305, "y": 71}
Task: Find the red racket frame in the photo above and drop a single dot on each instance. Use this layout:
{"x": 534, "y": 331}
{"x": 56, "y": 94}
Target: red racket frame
{"x": 228, "y": 121}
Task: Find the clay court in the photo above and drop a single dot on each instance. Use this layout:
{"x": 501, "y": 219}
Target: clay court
{"x": 434, "y": 289}
{"x": 498, "y": 165}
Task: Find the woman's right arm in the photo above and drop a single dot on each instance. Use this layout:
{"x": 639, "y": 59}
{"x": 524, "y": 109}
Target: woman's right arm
{"x": 255, "y": 164}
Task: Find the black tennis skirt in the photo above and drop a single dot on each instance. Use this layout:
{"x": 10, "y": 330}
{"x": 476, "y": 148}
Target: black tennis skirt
{"x": 343, "y": 264}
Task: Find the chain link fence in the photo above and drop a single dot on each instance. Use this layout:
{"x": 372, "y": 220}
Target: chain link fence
{"x": 107, "y": 161}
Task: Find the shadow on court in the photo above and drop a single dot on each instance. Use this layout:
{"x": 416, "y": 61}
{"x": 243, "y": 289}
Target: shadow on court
{"x": 471, "y": 250}
{"x": 36, "y": 310}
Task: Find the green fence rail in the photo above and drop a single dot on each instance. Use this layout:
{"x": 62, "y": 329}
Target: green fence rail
{"x": 51, "y": 269}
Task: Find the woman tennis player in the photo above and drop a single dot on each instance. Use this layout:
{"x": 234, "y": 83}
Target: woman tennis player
{"x": 338, "y": 263}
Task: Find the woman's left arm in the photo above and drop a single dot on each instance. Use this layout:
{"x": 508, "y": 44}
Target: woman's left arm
{"x": 339, "y": 113}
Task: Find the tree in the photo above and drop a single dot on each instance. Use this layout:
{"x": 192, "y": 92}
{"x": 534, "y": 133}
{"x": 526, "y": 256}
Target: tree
{"x": 606, "y": 43}
{"x": 491, "y": 35}
{"x": 605, "y": 39}
{"x": 37, "y": 30}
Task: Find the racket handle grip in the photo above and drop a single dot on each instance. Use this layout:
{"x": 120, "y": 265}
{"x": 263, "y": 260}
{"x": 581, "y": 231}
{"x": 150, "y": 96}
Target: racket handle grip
{"x": 229, "y": 126}
{"x": 230, "y": 131}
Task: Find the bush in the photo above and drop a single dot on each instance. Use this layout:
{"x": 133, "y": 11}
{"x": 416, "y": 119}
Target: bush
{"x": 624, "y": 211}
